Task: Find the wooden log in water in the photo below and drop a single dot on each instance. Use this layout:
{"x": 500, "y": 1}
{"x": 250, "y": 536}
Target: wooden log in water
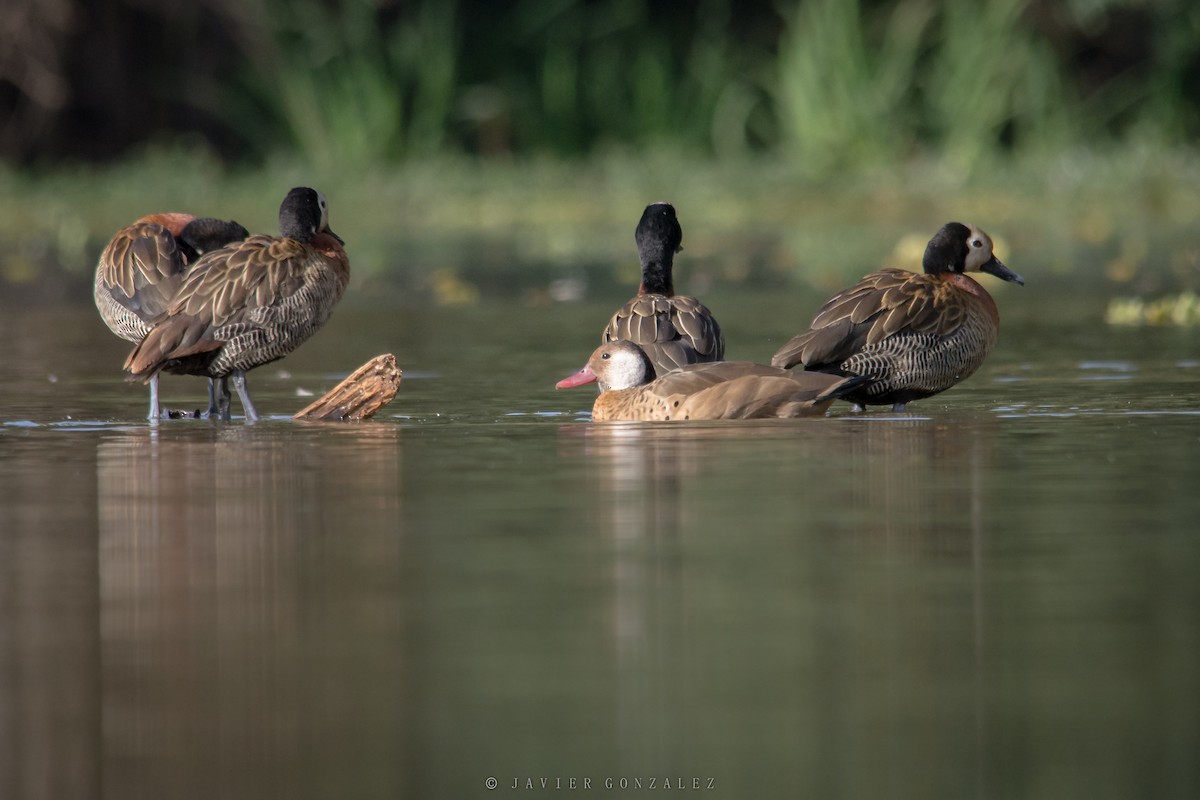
{"x": 370, "y": 388}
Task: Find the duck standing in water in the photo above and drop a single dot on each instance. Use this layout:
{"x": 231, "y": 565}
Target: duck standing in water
{"x": 251, "y": 303}
{"x": 715, "y": 390}
{"x": 672, "y": 330}
{"x": 143, "y": 266}
{"x": 914, "y": 334}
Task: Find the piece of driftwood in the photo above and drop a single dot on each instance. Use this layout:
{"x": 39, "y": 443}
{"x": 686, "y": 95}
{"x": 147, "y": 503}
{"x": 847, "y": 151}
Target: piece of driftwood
{"x": 371, "y": 387}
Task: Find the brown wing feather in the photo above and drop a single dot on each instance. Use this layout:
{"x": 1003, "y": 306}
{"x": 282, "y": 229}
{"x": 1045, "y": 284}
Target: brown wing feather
{"x": 144, "y": 252}
{"x": 173, "y": 337}
{"x": 223, "y": 288}
{"x": 636, "y": 321}
{"x": 697, "y": 326}
{"x": 697, "y": 377}
{"x": 673, "y": 331}
{"x": 878, "y": 306}
{"x": 748, "y": 397}
{"x": 742, "y": 390}
{"x": 141, "y": 268}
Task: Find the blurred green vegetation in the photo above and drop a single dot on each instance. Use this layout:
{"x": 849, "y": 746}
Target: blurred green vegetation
{"x": 801, "y": 140}
{"x": 1121, "y": 222}
{"x": 1182, "y": 310}
{"x": 832, "y": 84}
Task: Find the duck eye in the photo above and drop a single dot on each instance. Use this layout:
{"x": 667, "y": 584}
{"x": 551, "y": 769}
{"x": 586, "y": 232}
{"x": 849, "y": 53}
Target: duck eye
{"x": 976, "y": 243}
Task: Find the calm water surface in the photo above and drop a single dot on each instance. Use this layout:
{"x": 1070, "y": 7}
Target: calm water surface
{"x": 996, "y": 595}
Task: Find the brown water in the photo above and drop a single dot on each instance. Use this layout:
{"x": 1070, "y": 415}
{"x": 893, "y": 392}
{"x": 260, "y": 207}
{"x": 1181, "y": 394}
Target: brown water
{"x": 996, "y": 595}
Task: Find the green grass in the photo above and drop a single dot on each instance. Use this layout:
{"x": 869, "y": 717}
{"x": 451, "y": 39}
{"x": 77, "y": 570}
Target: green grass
{"x": 343, "y": 90}
{"x": 831, "y": 85}
{"x": 844, "y": 95}
{"x": 828, "y": 84}
{"x": 967, "y": 80}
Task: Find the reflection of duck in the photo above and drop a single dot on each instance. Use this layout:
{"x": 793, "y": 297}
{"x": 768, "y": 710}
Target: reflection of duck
{"x": 222, "y": 579}
{"x": 915, "y": 334}
{"x": 142, "y": 268}
{"x": 672, "y": 329}
{"x": 252, "y": 303}
{"x": 719, "y": 390}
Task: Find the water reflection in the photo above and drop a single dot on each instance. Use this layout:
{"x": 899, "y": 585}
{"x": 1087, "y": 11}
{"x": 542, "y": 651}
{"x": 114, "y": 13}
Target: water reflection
{"x": 640, "y": 504}
{"x": 918, "y": 478}
{"x": 869, "y": 507}
{"x": 244, "y": 606}
{"x": 641, "y": 469}
{"x": 49, "y": 642}
{"x": 987, "y": 599}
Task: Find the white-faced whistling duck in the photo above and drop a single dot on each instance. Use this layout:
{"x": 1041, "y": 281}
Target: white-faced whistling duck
{"x": 673, "y": 330}
{"x": 142, "y": 268}
{"x": 251, "y": 303}
{"x": 913, "y": 334}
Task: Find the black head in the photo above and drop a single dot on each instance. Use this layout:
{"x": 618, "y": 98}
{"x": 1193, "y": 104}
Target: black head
{"x": 303, "y": 214}
{"x": 659, "y": 237}
{"x": 965, "y": 248}
{"x": 205, "y": 234}
{"x": 658, "y": 231}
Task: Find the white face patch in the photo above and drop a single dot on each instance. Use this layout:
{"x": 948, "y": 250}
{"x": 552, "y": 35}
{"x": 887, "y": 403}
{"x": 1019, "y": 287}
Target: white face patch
{"x": 979, "y": 250}
{"x": 619, "y": 365}
{"x": 324, "y": 204}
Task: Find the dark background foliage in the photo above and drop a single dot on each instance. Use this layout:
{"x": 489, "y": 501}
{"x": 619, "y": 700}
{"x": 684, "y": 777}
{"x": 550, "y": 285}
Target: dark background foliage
{"x": 362, "y": 80}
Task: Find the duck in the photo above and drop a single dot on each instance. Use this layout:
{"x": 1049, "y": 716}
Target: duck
{"x": 915, "y": 334}
{"x": 251, "y": 303}
{"x": 707, "y": 391}
{"x": 142, "y": 267}
{"x": 673, "y": 330}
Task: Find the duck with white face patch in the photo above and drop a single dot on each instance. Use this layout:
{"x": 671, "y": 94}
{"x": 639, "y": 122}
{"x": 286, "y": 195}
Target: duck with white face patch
{"x": 142, "y": 268}
{"x": 252, "y": 303}
{"x": 914, "y": 334}
{"x": 716, "y": 390}
{"x": 672, "y": 329}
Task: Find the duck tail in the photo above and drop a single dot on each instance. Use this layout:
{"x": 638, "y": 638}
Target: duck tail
{"x": 845, "y": 386}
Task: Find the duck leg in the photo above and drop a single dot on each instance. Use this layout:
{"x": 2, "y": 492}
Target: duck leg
{"x": 221, "y": 402}
{"x": 158, "y": 412}
{"x": 215, "y": 397}
{"x": 155, "y": 411}
{"x": 898, "y": 407}
{"x": 239, "y": 384}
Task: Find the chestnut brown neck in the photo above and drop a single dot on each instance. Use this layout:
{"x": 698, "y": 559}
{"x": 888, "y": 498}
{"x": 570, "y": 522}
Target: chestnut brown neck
{"x": 332, "y": 249}
{"x": 973, "y": 287}
{"x": 172, "y": 221}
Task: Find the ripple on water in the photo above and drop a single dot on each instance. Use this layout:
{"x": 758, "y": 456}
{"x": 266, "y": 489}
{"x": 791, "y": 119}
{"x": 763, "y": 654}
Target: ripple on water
{"x": 1112, "y": 366}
